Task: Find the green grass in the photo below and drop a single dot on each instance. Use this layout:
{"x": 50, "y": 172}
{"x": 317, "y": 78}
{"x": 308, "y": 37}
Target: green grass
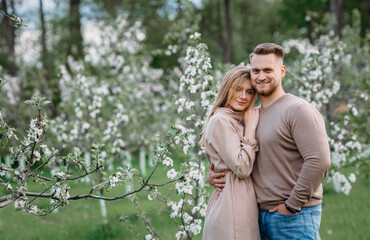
{"x": 81, "y": 219}
{"x": 344, "y": 217}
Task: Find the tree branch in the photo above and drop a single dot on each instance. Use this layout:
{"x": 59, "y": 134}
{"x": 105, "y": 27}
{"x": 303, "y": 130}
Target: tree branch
{"x": 87, "y": 173}
{"x": 47, "y": 161}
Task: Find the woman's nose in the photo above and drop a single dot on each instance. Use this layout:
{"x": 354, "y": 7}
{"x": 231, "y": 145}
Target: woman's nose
{"x": 243, "y": 95}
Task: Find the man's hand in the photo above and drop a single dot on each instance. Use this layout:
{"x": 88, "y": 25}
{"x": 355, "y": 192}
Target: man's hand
{"x": 281, "y": 209}
{"x": 216, "y": 179}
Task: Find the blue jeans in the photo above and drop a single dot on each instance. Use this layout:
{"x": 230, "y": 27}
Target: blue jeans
{"x": 303, "y": 225}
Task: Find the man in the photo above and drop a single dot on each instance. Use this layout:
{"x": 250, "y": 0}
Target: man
{"x": 294, "y": 154}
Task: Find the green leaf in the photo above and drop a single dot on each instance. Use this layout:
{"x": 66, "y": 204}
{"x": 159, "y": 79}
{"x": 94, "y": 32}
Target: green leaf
{"x": 5, "y": 141}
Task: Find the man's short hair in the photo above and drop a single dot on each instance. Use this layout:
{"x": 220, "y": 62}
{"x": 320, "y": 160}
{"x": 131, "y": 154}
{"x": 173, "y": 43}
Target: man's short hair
{"x": 268, "y": 48}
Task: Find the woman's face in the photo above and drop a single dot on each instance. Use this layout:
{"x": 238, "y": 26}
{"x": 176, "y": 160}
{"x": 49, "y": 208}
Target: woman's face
{"x": 241, "y": 97}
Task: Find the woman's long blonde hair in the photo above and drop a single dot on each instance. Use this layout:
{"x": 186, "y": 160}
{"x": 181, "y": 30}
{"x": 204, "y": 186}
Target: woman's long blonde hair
{"x": 238, "y": 74}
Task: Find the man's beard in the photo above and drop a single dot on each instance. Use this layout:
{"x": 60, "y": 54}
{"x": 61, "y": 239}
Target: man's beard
{"x": 265, "y": 92}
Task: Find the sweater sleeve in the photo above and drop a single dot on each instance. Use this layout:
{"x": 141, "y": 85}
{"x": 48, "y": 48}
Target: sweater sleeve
{"x": 237, "y": 153}
{"x": 309, "y": 134}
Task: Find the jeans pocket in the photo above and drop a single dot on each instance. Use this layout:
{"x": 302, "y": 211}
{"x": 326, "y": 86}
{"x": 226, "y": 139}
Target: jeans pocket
{"x": 287, "y": 216}
{"x": 316, "y": 219}
{"x": 287, "y": 226}
{"x": 289, "y": 220}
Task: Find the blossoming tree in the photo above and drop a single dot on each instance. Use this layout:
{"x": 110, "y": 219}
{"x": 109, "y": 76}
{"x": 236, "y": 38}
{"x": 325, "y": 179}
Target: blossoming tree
{"x": 114, "y": 102}
{"x": 323, "y": 74}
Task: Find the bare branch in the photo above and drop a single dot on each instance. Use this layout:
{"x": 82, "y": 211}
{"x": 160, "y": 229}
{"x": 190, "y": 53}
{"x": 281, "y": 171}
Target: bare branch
{"x": 84, "y": 175}
{"x": 163, "y": 184}
{"x": 6, "y": 203}
{"x": 29, "y": 163}
{"x": 5, "y": 169}
{"x": 47, "y": 213}
{"x": 42, "y": 177}
{"x": 83, "y": 166}
{"x": 43, "y": 192}
{"x": 47, "y": 161}
{"x": 4, "y": 198}
{"x": 8, "y": 188}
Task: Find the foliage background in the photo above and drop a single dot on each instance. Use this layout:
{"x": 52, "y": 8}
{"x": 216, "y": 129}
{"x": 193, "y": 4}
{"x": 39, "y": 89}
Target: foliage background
{"x": 120, "y": 73}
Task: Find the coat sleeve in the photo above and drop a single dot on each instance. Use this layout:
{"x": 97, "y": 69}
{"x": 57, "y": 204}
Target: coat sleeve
{"x": 238, "y": 153}
{"x": 308, "y": 131}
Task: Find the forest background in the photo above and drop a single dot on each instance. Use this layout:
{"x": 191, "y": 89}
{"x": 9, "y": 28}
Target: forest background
{"x": 103, "y": 102}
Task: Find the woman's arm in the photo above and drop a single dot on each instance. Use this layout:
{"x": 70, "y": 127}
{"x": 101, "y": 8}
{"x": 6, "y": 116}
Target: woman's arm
{"x": 237, "y": 153}
{"x": 251, "y": 118}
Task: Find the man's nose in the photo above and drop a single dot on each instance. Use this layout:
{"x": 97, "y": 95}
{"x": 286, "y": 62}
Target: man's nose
{"x": 261, "y": 76}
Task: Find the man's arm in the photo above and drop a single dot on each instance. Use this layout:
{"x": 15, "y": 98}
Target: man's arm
{"x": 308, "y": 131}
{"x": 216, "y": 179}
{"x": 310, "y": 136}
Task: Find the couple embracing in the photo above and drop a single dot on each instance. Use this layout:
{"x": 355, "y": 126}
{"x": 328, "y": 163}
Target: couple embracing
{"x": 268, "y": 163}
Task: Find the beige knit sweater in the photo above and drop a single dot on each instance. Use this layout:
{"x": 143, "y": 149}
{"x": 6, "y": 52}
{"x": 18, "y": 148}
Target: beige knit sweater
{"x": 293, "y": 156}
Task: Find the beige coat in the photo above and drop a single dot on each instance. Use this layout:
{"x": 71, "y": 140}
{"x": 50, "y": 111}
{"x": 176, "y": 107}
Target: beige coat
{"x": 232, "y": 213}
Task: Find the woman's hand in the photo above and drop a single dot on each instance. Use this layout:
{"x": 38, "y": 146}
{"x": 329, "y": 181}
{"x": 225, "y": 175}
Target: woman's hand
{"x": 251, "y": 118}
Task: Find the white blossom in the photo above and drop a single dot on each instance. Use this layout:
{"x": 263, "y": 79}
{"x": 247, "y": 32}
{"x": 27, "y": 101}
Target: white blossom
{"x": 352, "y": 177}
{"x": 113, "y": 180}
{"x": 61, "y": 174}
{"x": 184, "y": 187}
{"x": 168, "y": 162}
{"x": 195, "y": 35}
{"x": 180, "y": 235}
{"x": 196, "y": 226}
{"x": 85, "y": 125}
{"x": 37, "y": 155}
{"x": 34, "y": 209}
{"x": 58, "y": 192}
{"x": 19, "y": 203}
{"x": 172, "y": 174}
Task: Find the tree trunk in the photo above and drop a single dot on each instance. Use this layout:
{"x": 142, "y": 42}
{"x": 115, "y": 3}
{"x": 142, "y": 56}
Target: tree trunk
{"x": 216, "y": 34}
{"x": 51, "y": 85}
{"x": 9, "y": 35}
{"x": 75, "y": 47}
{"x": 336, "y": 7}
{"x": 44, "y": 53}
{"x": 180, "y": 17}
{"x": 221, "y": 39}
{"x": 229, "y": 33}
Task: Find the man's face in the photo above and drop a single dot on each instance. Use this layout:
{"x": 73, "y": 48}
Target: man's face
{"x": 266, "y": 73}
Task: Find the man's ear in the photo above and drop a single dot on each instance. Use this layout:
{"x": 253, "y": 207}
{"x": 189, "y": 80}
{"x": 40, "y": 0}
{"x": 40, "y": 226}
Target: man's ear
{"x": 283, "y": 71}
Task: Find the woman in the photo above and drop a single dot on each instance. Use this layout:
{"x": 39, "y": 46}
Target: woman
{"x": 230, "y": 144}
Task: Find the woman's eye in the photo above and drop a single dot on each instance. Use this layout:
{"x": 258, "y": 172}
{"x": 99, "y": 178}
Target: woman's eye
{"x": 238, "y": 89}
